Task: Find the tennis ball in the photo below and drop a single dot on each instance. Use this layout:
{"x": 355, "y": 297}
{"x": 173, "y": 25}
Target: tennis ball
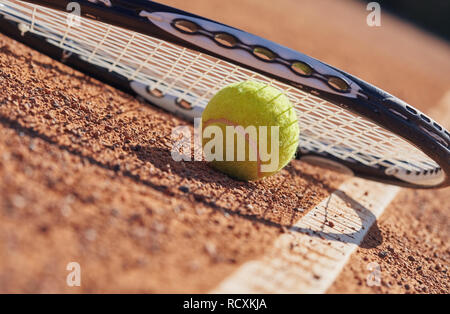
{"x": 254, "y": 114}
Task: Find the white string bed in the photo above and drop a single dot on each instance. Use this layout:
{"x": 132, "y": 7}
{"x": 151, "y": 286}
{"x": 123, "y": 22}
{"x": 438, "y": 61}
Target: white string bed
{"x": 195, "y": 78}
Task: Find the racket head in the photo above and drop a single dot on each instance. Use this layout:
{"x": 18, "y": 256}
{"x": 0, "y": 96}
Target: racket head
{"x": 177, "y": 60}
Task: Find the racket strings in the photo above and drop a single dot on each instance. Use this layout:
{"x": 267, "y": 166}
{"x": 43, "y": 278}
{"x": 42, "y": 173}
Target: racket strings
{"x": 194, "y": 78}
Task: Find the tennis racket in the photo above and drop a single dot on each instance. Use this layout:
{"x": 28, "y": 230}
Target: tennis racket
{"x": 178, "y": 61}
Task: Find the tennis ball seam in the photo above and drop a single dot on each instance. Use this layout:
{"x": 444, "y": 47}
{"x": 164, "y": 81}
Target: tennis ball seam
{"x": 247, "y": 138}
{"x": 282, "y": 113}
{"x": 275, "y": 98}
{"x": 290, "y": 123}
{"x": 259, "y": 90}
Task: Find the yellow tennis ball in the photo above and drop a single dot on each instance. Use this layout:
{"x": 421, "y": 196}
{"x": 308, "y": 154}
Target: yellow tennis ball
{"x": 249, "y": 130}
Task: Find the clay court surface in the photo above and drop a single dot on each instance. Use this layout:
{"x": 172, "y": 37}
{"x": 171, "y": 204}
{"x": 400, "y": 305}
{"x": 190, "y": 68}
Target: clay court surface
{"x": 86, "y": 173}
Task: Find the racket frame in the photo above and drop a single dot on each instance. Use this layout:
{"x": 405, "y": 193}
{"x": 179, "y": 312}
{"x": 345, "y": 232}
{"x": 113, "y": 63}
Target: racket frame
{"x": 369, "y": 102}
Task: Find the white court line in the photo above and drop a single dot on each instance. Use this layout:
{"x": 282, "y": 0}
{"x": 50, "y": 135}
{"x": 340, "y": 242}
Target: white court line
{"x": 309, "y": 257}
